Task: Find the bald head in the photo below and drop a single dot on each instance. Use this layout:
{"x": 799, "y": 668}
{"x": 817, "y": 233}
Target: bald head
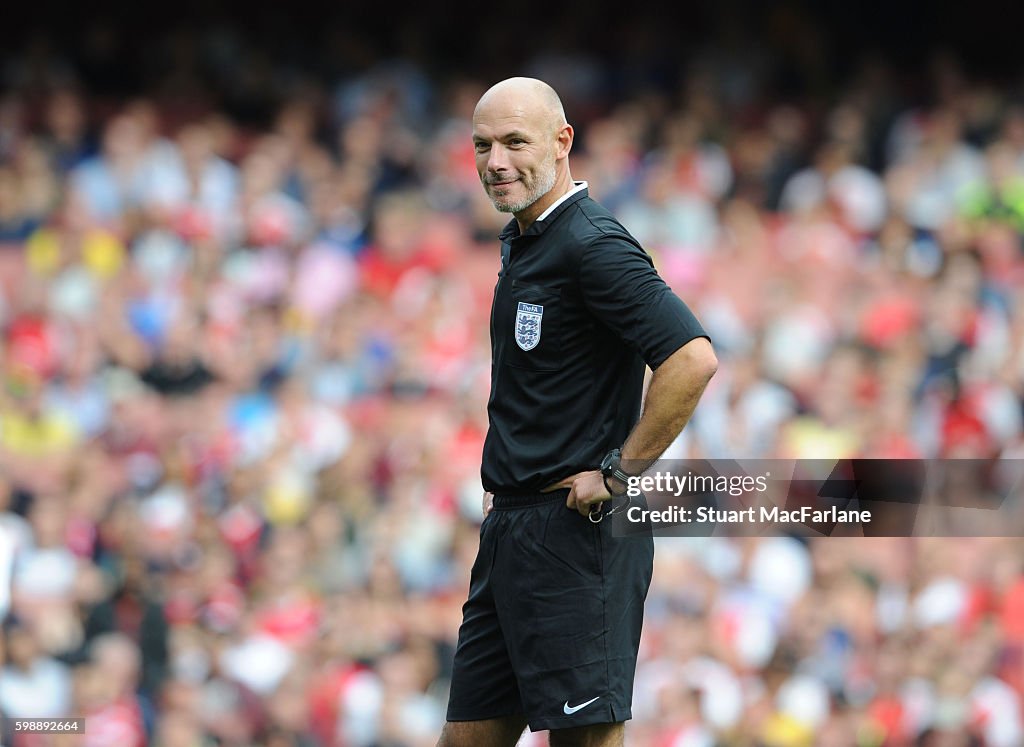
{"x": 522, "y": 145}
{"x": 532, "y": 99}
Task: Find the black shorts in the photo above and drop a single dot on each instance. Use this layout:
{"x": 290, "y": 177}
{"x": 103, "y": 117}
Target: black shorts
{"x": 552, "y": 624}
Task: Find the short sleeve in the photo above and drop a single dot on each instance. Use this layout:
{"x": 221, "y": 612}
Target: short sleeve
{"x": 623, "y": 290}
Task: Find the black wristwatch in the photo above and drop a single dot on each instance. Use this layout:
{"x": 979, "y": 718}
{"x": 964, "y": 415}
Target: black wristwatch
{"x": 611, "y": 467}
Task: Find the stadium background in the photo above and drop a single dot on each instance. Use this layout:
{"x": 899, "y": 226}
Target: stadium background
{"x": 246, "y": 265}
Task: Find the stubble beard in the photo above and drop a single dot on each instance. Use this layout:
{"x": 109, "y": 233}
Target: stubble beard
{"x": 545, "y": 183}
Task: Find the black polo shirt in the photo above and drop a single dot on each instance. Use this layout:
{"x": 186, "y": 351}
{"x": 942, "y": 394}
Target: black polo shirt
{"x": 578, "y": 310}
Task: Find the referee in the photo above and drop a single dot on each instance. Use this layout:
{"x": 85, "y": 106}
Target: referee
{"x": 552, "y": 624}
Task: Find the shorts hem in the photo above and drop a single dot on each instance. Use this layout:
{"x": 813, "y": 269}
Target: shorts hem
{"x": 610, "y": 716}
{"x": 463, "y": 717}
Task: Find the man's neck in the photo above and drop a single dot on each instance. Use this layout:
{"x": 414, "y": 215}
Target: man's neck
{"x": 526, "y": 218}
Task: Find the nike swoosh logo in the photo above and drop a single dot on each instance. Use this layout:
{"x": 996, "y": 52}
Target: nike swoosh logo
{"x": 569, "y": 710}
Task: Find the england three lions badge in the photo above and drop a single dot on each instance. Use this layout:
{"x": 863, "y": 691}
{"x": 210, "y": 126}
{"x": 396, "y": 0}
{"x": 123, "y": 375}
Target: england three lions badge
{"x": 528, "y": 319}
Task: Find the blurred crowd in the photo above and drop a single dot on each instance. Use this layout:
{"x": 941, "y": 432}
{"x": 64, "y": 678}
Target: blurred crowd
{"x": 244, "y": 379}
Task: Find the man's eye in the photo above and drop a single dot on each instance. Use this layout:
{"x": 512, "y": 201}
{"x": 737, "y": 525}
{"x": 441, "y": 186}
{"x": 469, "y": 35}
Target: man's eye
{"x": 481, "y": 147}
{"x": 516, "y": 141}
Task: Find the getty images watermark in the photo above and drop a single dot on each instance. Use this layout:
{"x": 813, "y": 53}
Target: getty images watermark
{"x": 847, "y": 497}
{"x": 691, "y": 484}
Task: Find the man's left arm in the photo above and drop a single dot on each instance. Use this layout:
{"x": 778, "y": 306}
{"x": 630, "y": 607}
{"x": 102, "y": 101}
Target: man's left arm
{"x": 624, "y": 291}
{"x": 675, "y": 389}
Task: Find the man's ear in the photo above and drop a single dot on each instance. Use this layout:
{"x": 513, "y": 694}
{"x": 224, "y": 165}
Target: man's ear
{"x": 564, "y": 141}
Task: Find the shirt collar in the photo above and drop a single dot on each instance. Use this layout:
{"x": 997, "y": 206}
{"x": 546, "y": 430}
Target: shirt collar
{"x": 511, "y": 230}
{"x": 578, "y": 187}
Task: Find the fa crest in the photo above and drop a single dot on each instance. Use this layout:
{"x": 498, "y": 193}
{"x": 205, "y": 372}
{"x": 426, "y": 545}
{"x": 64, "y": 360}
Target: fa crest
{"x": 528, "y": 319}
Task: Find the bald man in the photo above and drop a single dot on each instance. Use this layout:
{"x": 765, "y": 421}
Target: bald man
{"x": 552, "y": 624}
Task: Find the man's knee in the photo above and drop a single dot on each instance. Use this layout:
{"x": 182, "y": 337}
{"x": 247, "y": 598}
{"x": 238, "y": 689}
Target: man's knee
{"x": 597, "y": 735}
{"x": 500, "y": 732}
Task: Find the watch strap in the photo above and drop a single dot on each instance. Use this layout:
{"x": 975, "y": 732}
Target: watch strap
{"x": 612, "y": 493}
{"x": 619, "y": 475}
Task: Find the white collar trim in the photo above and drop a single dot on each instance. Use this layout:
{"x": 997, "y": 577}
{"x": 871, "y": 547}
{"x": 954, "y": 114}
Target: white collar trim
{"x": 579, "y": 186}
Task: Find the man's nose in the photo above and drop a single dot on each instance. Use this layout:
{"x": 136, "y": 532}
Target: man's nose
{"x": 497, "y": 158}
